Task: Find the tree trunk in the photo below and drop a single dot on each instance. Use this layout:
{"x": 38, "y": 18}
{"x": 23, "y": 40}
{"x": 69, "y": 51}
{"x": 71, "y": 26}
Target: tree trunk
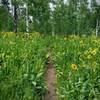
{"x": 52, "y": 25}
{"x": 15, "y": 18}
{"x": 27, "y": 23}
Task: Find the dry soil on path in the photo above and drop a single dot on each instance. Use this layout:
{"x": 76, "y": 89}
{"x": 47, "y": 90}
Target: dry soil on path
{"x": 50, "y": 78}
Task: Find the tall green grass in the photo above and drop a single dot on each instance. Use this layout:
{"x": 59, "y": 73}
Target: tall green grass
{"x": 23, "y": 65}
{"x": 83, "y": 81}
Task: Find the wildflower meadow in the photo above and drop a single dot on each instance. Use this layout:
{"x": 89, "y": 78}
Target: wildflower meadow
{"x": 23, "y": 66}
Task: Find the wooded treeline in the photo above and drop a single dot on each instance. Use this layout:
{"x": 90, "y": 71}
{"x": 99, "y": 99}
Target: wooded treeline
{"x": 50, "y": 16}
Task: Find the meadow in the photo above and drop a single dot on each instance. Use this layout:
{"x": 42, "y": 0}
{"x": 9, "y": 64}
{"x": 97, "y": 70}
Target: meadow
{"x": 23, "y": 65}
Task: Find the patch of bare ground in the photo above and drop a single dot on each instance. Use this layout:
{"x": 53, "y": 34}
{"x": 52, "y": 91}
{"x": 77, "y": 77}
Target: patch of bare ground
{"x": 50, "y": 78}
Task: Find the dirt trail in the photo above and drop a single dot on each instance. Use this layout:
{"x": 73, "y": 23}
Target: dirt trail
{"x": 50, "y": 81}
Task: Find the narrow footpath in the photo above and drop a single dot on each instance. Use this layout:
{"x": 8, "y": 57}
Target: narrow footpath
{"x": 50, "y": 78}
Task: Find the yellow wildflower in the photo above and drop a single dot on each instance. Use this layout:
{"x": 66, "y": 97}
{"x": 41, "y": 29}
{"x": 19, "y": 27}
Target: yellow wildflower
{"x": 74, "y": 66}
{"x": 94, "y": 52}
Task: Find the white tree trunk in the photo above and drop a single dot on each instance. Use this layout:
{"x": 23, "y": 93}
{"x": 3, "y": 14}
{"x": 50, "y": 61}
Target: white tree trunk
{"x": 53, "y": 33}
{"x": 27, "y": 22}
{"x": 97, "y": 27}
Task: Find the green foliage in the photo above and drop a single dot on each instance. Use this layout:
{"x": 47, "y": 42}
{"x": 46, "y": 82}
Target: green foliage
{"x": 22, "y": 68}
{"x": 77, "y": 65}
{"x": 73, "y": 17}
{"x": 16, "y": 2}
{"x": 6, "y": 20}
{"x": 22, "y": 25}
